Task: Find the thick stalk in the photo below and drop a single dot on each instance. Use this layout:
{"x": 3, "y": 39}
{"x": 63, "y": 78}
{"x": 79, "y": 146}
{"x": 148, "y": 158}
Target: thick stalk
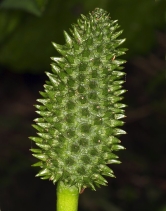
{"x": 67, "y": 197}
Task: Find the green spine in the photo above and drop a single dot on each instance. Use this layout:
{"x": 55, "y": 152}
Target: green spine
{"x": 80, "y": 107}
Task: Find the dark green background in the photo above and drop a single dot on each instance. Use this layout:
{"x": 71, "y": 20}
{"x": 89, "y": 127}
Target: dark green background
{"x": 27, "y": 29}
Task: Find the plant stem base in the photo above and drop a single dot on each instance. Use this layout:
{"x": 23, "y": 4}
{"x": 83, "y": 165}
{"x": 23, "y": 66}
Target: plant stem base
{"x": 67, "y": 197}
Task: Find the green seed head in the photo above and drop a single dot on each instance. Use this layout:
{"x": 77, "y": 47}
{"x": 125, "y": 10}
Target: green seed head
{"x": 80, "y": 110}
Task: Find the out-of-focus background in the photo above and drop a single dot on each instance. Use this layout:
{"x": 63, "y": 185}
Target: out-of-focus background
{"x": 27, "y": 29}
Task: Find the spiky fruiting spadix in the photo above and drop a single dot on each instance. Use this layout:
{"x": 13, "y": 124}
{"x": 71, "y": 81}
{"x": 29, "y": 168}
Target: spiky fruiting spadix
{"x": 80, "y": 108}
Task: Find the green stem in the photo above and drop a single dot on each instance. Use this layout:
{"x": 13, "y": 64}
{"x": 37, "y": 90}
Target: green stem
{"x": 67, "y": 197}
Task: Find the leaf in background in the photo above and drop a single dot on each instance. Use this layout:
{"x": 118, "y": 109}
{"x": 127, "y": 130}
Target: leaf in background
{"x": 41, "y": 4}
{"x": 8, "y": 23}
{"x": 32, "y": 6}
{"x": 28, "y": 48}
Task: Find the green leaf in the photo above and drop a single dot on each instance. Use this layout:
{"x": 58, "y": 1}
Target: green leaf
{"x": 32, "y": 6}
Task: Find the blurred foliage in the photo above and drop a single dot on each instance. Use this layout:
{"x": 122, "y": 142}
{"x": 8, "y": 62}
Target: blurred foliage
{"x": 27, "y": 30}
{"x": 32, "y": 6}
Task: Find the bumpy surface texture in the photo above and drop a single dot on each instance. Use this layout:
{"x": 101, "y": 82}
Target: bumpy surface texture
{"x": 80, "y": 110}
